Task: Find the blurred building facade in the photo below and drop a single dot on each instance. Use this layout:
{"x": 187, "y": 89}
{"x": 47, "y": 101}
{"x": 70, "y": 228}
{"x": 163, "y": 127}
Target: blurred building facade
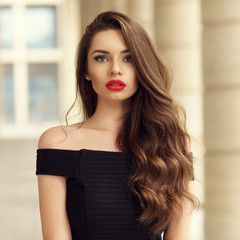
{"x": 200, "y": 40}
{"x": 221, "y": 77}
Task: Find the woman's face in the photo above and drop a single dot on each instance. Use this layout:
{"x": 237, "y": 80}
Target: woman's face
{"x": 110, "y": 67}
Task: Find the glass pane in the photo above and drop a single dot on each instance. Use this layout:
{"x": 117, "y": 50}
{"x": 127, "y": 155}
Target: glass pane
{"x": 6, "y": 28}
{"x": 43, "y": 92}
{"x": 7, "y": 96}
{"x": 41, "y": 27}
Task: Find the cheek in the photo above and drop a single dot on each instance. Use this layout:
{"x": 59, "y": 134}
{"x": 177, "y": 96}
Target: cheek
{"x": 134, "y": 77}
{"x": 96, "y": 82}
{"x": 133, "y": 81}
{"x": 95, "y": 71}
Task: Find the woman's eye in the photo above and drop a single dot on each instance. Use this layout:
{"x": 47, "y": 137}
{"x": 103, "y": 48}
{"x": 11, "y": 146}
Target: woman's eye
{"x": 128, "y": 58}
{"x": 101, "y": 58}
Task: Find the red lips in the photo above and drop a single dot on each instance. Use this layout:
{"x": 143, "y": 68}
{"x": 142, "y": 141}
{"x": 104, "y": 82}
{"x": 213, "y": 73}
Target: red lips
{"x": 115, "y": 85}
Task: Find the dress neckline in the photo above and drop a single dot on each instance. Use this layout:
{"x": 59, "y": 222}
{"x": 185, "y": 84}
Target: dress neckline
{"x": 83, "y": 150}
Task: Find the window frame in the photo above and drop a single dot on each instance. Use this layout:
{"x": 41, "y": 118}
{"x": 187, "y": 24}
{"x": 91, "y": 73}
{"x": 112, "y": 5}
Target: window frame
{"x": 20, "y": 57}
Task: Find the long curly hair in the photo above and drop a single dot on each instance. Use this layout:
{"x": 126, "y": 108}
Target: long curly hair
{"x": 153, "y": 135}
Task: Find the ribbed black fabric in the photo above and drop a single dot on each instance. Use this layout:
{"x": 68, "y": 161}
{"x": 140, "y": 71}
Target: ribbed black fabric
{"x": 99, "y": 204}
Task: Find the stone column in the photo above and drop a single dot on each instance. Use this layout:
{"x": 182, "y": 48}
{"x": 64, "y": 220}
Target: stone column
{"x": 91, "y": 8}
{"x": 71, "y": 20}
{"x": 221, "y": 59}
{"x": 143, "y": 11}
{"x": 177, "y": 31}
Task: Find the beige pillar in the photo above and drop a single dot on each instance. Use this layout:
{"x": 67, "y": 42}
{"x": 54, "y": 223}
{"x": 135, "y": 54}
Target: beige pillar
{"x": 143, "y": 11}
{"x": 221, "y": 58}
{"x": 70, "y": 20}
{"x": 91, "y": 8}
{"x": 177, "y": 30}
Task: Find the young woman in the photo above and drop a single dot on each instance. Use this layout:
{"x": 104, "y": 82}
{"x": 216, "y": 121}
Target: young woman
{"x": 124, "y": 172}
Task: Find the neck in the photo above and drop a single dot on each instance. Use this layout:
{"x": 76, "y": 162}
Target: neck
{"x": 108, "y": 115}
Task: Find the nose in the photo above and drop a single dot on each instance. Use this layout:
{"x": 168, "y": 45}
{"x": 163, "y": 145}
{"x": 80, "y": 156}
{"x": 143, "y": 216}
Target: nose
{"x": 115, "y": 69}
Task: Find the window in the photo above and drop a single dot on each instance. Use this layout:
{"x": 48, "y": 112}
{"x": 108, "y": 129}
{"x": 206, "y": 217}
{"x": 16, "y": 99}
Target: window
{"x": 41, "y": 27}
{"x": 33, "y": 64}
{"x": 6, "y": 27}
{"x": 7, "y": 93}
{"x": 43, "y": 92}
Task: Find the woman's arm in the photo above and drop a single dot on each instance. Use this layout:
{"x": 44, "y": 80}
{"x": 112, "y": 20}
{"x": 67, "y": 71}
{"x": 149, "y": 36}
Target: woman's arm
{"x": 52, "y": 201}
{"x": 179, "y": 228}
{"x": 52, "y": 195}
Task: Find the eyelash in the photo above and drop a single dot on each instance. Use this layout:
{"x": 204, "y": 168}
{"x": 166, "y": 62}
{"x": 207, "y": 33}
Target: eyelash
{"x": 129, "y": 57}
{"x": 102, "y": 58}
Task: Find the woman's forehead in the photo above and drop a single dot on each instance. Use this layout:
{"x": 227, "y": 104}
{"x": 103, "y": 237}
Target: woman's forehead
{"x": 108, "y": 40}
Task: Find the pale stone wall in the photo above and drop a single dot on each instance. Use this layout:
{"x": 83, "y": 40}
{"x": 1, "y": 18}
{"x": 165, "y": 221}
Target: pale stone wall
{"x": 19, "y": 211}
{"x": 221, "y": 59}
{"x": 178, "y": 37}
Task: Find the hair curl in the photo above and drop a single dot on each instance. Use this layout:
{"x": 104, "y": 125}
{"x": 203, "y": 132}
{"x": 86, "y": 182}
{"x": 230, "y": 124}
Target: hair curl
{"x": 153, "y": 135}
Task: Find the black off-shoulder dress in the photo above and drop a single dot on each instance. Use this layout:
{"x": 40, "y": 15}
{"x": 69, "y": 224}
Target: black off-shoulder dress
{"x": 99, "y": 204}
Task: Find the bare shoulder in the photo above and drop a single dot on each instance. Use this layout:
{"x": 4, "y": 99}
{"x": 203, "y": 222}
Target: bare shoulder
{"x": 55, "y": 137}
{"x": 59, "y": 137}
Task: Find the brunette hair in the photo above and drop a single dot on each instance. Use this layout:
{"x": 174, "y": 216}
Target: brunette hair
{"x": 153, "y": 135}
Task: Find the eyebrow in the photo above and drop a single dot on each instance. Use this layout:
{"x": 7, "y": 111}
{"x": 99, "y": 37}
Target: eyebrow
{"x": 106, "y": 52}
